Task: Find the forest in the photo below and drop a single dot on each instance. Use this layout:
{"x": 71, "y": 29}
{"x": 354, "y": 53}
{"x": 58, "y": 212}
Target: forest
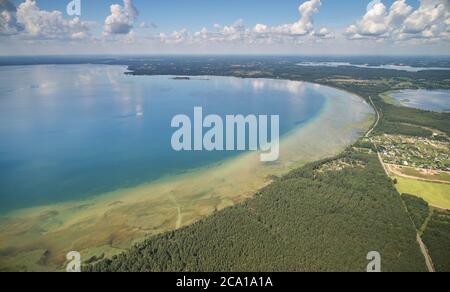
{"x": 437, "y": 239}
{"x": 434, "y": 227}
{"x": 305, "y": 221}
{"x": 418, "y": 209}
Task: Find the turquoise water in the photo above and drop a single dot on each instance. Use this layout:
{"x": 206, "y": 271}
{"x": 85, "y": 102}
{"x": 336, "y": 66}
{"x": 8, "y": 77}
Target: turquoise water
{"x": 432, "y": 100}
{"x": 72, "y": 131}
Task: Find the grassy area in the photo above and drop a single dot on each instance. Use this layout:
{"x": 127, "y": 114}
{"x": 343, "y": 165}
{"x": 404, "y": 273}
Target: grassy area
{"x": 434, "y": 193}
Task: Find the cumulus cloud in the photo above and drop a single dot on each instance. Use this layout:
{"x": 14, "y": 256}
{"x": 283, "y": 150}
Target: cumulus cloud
{"x": 304, "y": 26}
{"x": 8, "y": 20}
{"x": 401, "y": 22}
{"x": 323, "y": 33}
{"x": 32, "y": 22}
{"x": 122, "y": 18}
{"x": 237, "y": 32}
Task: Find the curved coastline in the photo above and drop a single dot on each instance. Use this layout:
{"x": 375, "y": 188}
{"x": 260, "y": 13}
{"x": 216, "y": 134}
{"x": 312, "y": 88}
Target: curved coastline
{"x": 108, "y": 223}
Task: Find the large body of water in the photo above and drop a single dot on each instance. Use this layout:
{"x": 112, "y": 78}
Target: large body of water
{"x": 69, "y": 132}
{"x": 88, "y": 150}
{"x": 431, "y": 100}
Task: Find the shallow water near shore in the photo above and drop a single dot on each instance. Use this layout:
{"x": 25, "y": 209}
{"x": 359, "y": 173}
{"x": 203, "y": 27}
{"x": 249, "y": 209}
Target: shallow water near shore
{"x": 125, "y": 202}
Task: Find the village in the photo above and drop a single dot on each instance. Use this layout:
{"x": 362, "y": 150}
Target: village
{"x": 417, "y": 152}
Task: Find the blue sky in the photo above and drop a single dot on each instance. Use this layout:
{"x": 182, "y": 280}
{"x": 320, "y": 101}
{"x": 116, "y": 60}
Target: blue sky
{"x": 172, "y": 15}
{"x": 267, "y": 26}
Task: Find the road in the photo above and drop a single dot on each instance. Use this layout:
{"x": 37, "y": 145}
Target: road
{"x": 423, "y": 248}
{"x": 426, "y": 254}
{"x": 377, "y": 121}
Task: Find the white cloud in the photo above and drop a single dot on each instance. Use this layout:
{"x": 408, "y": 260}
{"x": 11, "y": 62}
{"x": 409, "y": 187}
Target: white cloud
{"x": 146, "y": 25}
{"x": 261, "y": 28}
{"x": 8, "y": 21}
{"x": 32, "y": 22}
{"x": 237, "y": 32}
{"x": 402, "y": 22}
{"x": 323, "y": 33}
{"x": 429, "y": 14}
{"x": 122, "y": 18}
{"x": 396, "y": 27}
{"x": 304, "y": 26}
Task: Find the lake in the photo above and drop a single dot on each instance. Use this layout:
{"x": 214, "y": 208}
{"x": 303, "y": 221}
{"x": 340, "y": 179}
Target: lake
{"x": 431, "y": 100}
{"x": 86, "y": 161}
{"x": 367, "y": 66}
{"x": 73, "y": 131}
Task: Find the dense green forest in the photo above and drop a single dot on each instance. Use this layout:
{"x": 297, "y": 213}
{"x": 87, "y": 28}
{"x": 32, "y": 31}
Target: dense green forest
{"x": 434, "y": 226}
{"x": 402, "y": 115}
{"x": 437, "y": 239}
{"x": 391, "y": 128}
{"x": 309, "y": 220}
{"x": 418, "y": 210}
{"x": 306, "y": 221}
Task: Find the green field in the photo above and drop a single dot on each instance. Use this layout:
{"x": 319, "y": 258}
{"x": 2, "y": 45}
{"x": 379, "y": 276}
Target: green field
{"x": 434, "y": 193}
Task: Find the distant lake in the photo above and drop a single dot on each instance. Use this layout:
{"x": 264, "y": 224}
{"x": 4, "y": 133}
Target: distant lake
{"x": 72, "y": 131}
{"x": 388, "y": 67}
{"x": 432, "y": 100}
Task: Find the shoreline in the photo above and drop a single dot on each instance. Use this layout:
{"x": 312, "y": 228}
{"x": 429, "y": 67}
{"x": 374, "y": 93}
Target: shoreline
{"x": 167, "y": 177}
{"x": 156, "y": 207}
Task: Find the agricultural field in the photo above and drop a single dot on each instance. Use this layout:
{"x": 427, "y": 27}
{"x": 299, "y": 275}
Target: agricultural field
{"x": 437, "y": 194}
